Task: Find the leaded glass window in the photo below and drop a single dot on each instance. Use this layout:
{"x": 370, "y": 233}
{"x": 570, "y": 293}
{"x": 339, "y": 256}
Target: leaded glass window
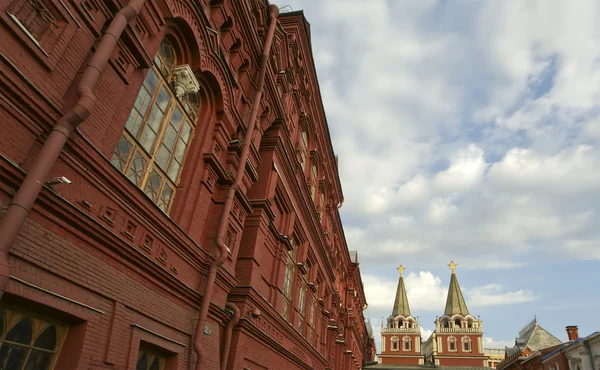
{"x": 27, "y": 342}
{"x": 150, "y": 361}
{"x": 288, "y": 280}
{"x": 158, "y": 132}
{"x": 303, "y": 149}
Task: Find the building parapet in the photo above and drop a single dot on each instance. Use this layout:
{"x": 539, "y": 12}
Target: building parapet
{"x": 400, "y": 330}
{"x": 459, "y": 330}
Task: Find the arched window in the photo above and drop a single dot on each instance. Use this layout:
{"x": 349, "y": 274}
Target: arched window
{"x": 303, "y": 148}
{"x": 406, "y": 343}
{"x": 158, "y": 132}
{"x": 466, "y": 344}
{"x": 395, "y": 343}
{"x": 452, "y": 344}
{"x": 149, "y": 361}
{"x": 27, "y": 342}
{"x": 313, "y": 182}
{"x": 457, "y": 323}
{"x": 288, "y": 279}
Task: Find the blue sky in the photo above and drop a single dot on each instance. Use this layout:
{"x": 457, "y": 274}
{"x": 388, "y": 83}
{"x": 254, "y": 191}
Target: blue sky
{"x": 468, "y": 131}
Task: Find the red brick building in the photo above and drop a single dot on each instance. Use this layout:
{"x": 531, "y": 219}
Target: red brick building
{"x": 401, "y": 337}
{"x": 169, "y": 193}
{"x": 457, "y": 339}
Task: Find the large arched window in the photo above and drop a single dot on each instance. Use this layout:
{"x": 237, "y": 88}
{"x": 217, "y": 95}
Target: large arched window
{"x": 27, "y": 342}
{"x": 303, "y": 148}
{"x": 288, "y": 279}
{"x": 158, "y": 132}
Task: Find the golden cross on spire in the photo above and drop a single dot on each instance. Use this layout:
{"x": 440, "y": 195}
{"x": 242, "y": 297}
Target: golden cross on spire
{"x": 401, "y": 269}
{"x": 452, "y": 266}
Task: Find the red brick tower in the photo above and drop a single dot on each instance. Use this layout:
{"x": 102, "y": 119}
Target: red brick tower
{"x": 401, "y": 337}
{"x": 458, "y": 337}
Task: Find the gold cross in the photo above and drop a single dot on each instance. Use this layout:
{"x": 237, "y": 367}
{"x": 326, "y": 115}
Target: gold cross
{"x": 452, "y": 266}
{"x": 401, "y": 269}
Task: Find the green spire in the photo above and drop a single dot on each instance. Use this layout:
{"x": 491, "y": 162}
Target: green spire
{"x": 401, "y": 304}
{"x": 455, "y": 303}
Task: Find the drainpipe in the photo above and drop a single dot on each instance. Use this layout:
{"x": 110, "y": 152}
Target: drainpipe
{"x": 239, "y": 174}
{"x": 228, "y": 331}
{"x": 29, "y": 190}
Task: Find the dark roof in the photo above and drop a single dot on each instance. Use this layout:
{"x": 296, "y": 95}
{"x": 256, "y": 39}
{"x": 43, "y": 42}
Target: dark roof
{"x": 455, "y": 303}
{"x": 560, "y": 348}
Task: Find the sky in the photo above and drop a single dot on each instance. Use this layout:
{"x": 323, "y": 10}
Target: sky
{"x": 468, "y": 130}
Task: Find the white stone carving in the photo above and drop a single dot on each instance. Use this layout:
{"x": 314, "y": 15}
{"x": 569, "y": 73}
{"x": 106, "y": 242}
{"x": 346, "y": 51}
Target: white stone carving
{"x": 184, "y": 81}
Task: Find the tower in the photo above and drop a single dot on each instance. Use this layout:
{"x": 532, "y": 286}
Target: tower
{"x": 458, "y": 337}
{"x": 400, "y": 334}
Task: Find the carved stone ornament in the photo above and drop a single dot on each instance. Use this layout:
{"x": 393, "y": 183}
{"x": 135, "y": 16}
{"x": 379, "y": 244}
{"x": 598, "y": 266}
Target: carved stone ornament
{"x": 184, "y": 81}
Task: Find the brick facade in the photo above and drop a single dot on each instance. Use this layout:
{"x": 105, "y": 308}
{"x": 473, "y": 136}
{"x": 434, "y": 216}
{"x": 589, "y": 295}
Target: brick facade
{"x": 122, "y": 274}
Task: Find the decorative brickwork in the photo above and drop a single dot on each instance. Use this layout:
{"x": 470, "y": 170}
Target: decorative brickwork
{"x": 118, "y": 259}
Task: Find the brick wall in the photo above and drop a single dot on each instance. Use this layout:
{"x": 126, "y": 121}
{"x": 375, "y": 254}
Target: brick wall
{"x": 100, "y": 257}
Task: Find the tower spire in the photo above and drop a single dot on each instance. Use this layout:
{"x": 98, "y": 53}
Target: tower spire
{"x": 455, "y": 303}
{"x": 401, "y": 306}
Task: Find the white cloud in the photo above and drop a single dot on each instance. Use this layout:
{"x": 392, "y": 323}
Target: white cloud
{"x": 494, "y": 295}
{"x": 466, "y": 131}
{"x": 466, "y": 170}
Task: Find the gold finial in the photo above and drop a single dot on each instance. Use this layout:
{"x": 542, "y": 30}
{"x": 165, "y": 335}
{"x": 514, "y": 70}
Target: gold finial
{"x": 401, "y": 269}
{"x": 452, "y": 266}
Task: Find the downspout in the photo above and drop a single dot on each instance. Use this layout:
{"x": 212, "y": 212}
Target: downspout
{"x": 228, "y": 331}
{"x": 239, "y": 175}
{"x": 29, "y": 190}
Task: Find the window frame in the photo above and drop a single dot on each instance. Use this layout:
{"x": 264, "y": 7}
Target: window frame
{"x": 136, "y": 129}
{"x": 395, "y": 343}
{"x": 288, "y": 280}
{"x": 452, "y": 341}
{"x": 406, "y": 343}
{"x": 466, "y": 342}
{"x": 162, "y": 358}
{"x": 11, "y": 317}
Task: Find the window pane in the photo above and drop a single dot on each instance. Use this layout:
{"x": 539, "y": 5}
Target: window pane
{"x": 162, "y": 157}
{"x": 12, "y": 356}
{"x": 151, "y": 80}
{"x": 38, "y": 360}
{"x": 148, "y": 136}
{"x": 47, "y": 340}
{"x": 121, "y": 154}
{"x": 165, "y": 197}
{"x": 139, "y": 110}
{"x": 142, "y": 363}
{"x": 153, "y": 185}
{"x": 155, "y": 364}
{"x": 20, "y": 333}
{"x": 136, "y": 169}
{"x": 186, "y": 130}
{"x": 174, "y": 170}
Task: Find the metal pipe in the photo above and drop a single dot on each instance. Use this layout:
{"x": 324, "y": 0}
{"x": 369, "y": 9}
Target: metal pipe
{"x": 228, "y": 332}
{"x": 239, "y": 175}
{"x": 29, "y": 190}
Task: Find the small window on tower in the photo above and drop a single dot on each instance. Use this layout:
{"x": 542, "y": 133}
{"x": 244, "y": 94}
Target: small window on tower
{"x": 406, "y": 343}
{"x": 395, "y": 344}
{"x": 466, "y": 342}
{"x": 452, "y": 344}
